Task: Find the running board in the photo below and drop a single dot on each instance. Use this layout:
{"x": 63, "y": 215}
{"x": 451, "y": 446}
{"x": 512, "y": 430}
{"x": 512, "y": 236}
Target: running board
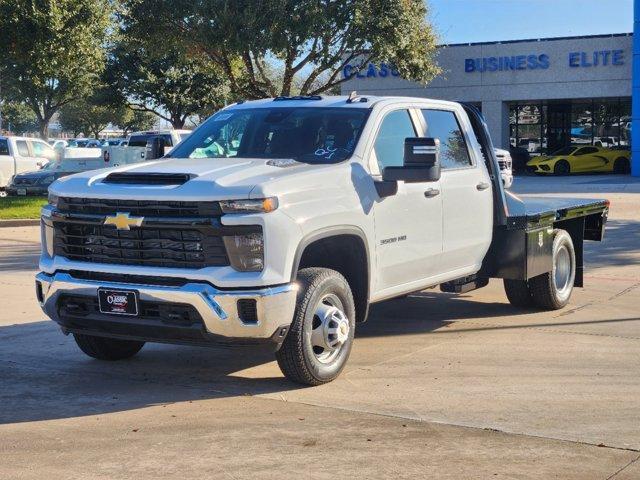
{"x": 464, "y": 284}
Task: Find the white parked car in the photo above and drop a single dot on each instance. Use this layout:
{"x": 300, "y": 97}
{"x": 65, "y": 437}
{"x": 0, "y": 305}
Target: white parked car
{"x": 21, "y": 154}
{"x": 506, "y": 166}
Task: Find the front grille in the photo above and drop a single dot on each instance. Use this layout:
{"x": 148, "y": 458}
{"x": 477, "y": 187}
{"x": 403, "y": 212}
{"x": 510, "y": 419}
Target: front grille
{"x": 128, "y": 278}
{"x": 25, "y": 181}
{"x": 139, "y": 208}
{"x": 152, "y": 246}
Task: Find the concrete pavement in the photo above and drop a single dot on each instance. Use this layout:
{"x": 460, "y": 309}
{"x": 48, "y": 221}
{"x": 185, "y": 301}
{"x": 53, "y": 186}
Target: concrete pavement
{"x": 437, "y": 385}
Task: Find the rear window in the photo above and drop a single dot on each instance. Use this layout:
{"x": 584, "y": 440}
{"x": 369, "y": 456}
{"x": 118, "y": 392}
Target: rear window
{"x": 4, "y": 147}
{"x": 23, "y": 149}
{"x": 141, "y": 140}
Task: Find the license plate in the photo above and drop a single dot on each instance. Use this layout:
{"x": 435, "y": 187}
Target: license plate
{"x": 118, "y": 302}
{"x": 21, "y": 191}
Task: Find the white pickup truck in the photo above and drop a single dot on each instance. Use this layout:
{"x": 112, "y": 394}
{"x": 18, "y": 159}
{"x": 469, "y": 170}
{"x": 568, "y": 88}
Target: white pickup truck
{"x": 280, "y": 221}
{"x": 22, "y": 154}
{"x": 135, "y": 148}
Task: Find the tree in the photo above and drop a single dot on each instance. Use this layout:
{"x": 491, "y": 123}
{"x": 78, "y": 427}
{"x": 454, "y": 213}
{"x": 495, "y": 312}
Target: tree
{"x": 93, "y": 114}
{"x": 164, "y": 77}
{"x": 52, "y": 52}
{"x": 137, "y": 120}
{"x": 280, "y": 47}
{"x": 17, "y": 117}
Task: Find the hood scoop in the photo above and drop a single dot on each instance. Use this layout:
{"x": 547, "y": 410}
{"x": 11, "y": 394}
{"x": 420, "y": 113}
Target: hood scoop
{"x": 144, "y": 178}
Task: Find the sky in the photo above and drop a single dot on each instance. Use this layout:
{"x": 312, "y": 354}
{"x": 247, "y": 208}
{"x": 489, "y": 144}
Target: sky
{"x": 465, "y": 21}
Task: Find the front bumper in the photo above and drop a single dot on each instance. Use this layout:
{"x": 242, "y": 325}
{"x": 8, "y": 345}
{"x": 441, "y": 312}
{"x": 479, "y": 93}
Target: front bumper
{"x": 29, "y": 189}
{"x": 221, "y": 314}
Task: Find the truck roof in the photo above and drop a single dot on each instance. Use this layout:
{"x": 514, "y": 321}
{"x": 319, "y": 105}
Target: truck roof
{"x": 340, "y": 101}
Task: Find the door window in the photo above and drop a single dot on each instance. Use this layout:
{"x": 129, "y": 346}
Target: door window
{"x": 586, "y": 151}
{"x": 389, "y": 146}
{"x": 4, "y": 146}
{"x": 23, "y": 149}
{"x": 442, "y": 124}
{"x": 42, "y": 150}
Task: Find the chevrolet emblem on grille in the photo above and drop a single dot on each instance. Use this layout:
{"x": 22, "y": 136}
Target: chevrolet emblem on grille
{"x": 122, "y": 221}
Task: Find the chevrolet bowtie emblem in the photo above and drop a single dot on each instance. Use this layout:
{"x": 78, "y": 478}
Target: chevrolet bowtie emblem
{"x": 122, "y": 221}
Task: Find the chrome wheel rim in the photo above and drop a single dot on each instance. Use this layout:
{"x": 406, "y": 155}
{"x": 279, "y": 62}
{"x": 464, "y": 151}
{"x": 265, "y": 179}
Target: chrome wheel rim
{"x": 562, "y": 274}
{"x": 330, "y": 329}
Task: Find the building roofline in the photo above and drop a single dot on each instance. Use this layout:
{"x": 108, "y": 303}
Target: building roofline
{"x": 528, "y": 40}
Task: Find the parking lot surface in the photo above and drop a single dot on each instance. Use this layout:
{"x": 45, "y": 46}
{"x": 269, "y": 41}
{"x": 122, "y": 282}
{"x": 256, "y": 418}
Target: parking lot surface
{"x": 438, "y": 386}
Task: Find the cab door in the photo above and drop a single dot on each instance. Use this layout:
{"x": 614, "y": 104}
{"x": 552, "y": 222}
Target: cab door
{"x": 467, "y": 195}
{"x": 408, "y": 225}
{"x": 24, "y": 161}
{"x": 42, "y": 153}
{"x": 586, "y": 159}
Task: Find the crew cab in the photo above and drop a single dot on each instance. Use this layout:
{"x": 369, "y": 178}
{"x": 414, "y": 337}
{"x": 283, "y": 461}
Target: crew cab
{"x": 21, "y": 154}
{"x": 280, "y": 221}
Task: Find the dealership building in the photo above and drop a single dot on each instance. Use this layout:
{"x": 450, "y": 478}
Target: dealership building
{"x": 540, "y": 95}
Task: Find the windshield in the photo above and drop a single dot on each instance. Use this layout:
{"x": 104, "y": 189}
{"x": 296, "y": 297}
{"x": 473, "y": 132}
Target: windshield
{"x": 310, "y": 135}
{"x": 563, "y": 151}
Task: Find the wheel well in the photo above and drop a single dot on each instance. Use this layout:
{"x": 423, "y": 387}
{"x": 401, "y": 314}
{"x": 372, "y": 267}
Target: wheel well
{"x": 346, "y": 254}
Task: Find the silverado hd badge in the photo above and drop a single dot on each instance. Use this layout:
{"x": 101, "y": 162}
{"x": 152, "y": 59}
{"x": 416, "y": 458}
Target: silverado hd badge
{"x": 122, "y": 221}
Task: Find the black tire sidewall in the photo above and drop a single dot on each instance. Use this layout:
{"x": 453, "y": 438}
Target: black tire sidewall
{"x": 336, "y": 285}
{"x": 621, "y": 166}
{"x": 564, "y": 170}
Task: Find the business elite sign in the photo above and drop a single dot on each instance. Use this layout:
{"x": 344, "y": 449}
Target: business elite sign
{"x": 542, "y": 61}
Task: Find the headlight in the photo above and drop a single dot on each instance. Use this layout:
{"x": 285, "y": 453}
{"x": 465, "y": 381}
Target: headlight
{"x": 246, "y": 252}
{"x": 261, "y": 205}
{"x": 53, "y": 200}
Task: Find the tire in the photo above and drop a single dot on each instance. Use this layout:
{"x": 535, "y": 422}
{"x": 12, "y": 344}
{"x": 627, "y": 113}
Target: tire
{"x": 518, "y": 293}
{"x": 104, "y": 348}
{"x": 562, "y": 168}
{"x": 621, "y": 166}
{"x": 324, "y": 294}
{"x": 552, "y": 290}
{"x": 3, "y": 193}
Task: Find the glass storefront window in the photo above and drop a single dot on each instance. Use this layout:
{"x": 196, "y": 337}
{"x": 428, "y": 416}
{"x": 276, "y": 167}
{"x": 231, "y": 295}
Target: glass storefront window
{"x": 541, "y": 127}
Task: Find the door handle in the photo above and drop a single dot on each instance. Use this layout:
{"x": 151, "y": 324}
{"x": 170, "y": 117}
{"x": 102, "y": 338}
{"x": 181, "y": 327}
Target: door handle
{"x": 483, "y": 185}
{"x": 432, "y": 192}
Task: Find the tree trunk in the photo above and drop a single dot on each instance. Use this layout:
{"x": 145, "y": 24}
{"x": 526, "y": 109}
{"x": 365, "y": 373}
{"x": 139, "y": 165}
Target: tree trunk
{"x": 177, "y": 122}
{"x": 43, "y": 125}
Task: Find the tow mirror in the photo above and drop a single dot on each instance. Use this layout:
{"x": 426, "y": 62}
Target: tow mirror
{"x": 421, "y": 162}
{"x": 155, "y": 148}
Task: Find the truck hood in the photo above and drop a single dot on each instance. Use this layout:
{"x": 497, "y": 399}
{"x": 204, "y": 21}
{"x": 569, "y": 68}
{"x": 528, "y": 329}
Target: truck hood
{"x": 211, "y": 179}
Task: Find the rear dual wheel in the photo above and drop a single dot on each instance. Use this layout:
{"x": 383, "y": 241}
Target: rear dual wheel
{"x": 552, "y": 290}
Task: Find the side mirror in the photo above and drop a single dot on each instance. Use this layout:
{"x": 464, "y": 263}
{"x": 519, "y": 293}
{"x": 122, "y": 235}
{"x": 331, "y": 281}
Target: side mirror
{"x": 421, "y": 162}
{"x": 155, "y": 148}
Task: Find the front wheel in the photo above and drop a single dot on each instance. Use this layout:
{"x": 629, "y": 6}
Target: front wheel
{"x": 562, "y": 168}
{"x": 321, "y": 335}
{"x": 104, "y": 348}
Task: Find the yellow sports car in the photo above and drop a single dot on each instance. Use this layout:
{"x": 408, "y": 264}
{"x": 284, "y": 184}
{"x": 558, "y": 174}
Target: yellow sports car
{"x": 580, "y": 160}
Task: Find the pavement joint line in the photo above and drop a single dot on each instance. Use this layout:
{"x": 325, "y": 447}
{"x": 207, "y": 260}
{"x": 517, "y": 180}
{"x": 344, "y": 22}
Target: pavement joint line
{"x": 624, "y": 292}
{"x": 623, "y": 468}
{"x": 421, "y": 419}
{"x": 418, "y": 419}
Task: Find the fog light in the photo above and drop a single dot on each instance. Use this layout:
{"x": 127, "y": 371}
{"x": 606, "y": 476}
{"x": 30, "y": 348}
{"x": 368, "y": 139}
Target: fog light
{"x": 246, "y": 252}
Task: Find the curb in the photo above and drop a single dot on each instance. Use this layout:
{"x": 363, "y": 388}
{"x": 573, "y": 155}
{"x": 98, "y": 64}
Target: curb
{"x": 20, "y": 222}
